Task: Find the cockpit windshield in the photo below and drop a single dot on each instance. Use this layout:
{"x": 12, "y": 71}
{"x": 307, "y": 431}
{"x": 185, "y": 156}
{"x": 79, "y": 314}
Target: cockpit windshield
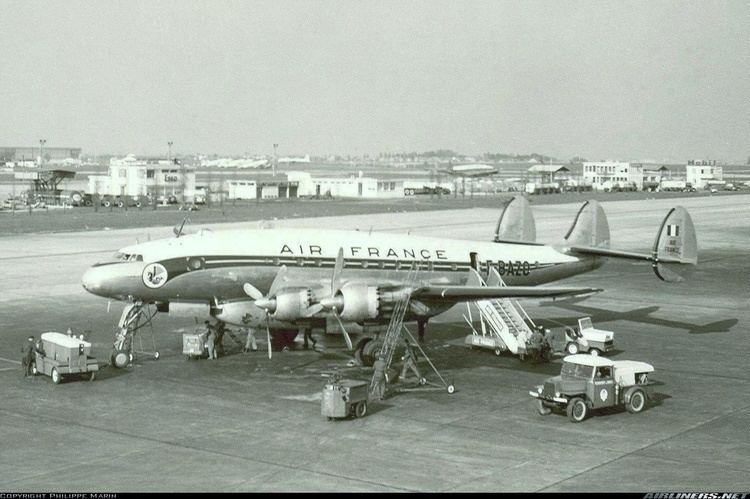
{"x": 128, "y": 257}
{"x": 573, "y": 370}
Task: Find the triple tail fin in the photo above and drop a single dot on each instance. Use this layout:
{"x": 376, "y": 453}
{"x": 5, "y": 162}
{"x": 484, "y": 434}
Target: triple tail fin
{"x": 516, "y": 223}
{"x": 674, "y": 248}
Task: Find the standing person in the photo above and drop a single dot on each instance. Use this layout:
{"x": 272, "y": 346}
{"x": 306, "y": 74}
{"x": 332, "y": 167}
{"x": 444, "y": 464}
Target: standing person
{"x": 378, "y": 389}
{"x": 69, "y": 332}
{"x": 422, "y": 325}
{"x": 221, "y": 328}
{"x": 27, "y": 356}
{"x": 308, "y": 335}
{"x": 250, "y": 344}
{"x": 211, "y": 341}
{"x": 410, "y": 362}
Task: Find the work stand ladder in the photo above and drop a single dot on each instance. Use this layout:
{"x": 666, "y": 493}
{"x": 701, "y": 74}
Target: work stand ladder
{"x": 396, "y": 327}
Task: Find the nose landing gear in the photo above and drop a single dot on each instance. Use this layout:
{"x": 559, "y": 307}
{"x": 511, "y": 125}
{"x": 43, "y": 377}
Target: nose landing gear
{"x": 134, "y": 316}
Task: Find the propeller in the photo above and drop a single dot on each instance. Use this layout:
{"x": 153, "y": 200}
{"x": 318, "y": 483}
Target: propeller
{"x": 336, "y": 303}
{"x": 267, "y": 303}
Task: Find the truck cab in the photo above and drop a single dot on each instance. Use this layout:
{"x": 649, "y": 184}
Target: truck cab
{"x": 588, "y": 382}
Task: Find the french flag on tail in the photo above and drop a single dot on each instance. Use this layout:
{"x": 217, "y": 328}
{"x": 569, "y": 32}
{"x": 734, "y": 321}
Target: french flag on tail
{"x": 673, "y": 230}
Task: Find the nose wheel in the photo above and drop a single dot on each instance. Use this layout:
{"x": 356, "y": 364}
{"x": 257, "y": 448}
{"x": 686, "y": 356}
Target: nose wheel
{"x": 135, "y": 316}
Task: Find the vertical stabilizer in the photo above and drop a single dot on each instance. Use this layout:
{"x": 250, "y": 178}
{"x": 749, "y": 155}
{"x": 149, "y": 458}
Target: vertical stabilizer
{"x": 590, "y": 227}
{"x": 516, "y": 223}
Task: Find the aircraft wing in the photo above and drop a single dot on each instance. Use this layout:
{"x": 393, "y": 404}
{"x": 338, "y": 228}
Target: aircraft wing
{"x": 469, "y": 293}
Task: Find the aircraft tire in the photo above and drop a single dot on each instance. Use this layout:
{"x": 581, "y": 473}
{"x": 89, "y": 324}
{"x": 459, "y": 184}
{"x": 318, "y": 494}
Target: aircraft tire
{"x": 120, "y": 359}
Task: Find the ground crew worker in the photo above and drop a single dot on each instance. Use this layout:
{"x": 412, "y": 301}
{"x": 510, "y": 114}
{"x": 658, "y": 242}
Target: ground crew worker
{"x": 250, "y": 344}
{"x": 69, "y": 332}
{"x": 378, "y": 389}
{"x": 221, "y": 328}
{"x": 27, "y": 356}
{"x": 308, "y": 335}
{"x": 410, "y": 362}
{"x": 422, "y": 327}
{"x": 211, "y": 341}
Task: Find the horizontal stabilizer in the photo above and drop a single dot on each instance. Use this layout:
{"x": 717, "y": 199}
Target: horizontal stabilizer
{"x": 469, "y": 293}
{"x": 516, "y": 223}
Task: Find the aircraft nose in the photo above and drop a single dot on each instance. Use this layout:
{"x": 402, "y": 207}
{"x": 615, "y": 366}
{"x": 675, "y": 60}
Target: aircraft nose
{"x": 93, "y": 280}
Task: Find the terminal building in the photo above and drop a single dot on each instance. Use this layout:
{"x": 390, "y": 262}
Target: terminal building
{"x": 613, "y": 175}
{"x": 701, "y": 173}
{"x": 157, "y": 178}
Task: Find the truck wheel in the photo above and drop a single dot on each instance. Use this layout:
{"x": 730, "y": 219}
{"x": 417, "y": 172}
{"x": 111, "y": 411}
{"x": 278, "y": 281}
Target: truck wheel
{"x": 595, "y": 352}
{"x": 451, "y": 389}
{"x": 542, "y": 409}
{"x": 637, "y": 401}
{"x": 571, "y": 348}
{"x": 360, "y": 409}
{"x": 577, "y": 410}
{"x": 498, "y": 352}
{"x": 56, "y": 378}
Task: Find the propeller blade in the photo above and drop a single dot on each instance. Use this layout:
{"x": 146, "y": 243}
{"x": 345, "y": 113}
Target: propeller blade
{"x": 252, "y": 291}
{"x": 337, "y": 268}
{"x": 268, "y": 338}
{"x": 343, "y": 330}
{"x": 314, "y": 309}
{"x": 278, "y": 281}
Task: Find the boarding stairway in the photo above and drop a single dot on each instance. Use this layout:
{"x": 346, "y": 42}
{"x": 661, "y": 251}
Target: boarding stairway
{"x": 506, "y": 320}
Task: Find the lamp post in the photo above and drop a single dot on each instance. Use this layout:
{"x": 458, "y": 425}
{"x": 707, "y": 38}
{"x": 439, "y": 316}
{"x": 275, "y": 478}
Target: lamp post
{"x": 41, "y": 151}
{"x": 169, "y": 153}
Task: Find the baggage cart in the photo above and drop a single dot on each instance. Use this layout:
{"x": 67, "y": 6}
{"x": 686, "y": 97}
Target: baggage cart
{"x": 194, "y": 344}
{"x": 65, "y": 356}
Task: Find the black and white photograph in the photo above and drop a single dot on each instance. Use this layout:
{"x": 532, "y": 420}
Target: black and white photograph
{"x": 491, "y": 246}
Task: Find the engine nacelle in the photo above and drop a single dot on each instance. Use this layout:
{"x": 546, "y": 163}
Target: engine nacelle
{"x": 240, "y": 313}
{"x": 292, "y": 306}
{"x": 360, "y": 302}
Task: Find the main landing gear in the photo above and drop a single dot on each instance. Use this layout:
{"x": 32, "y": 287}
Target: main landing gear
{"x": 135, "y": 316}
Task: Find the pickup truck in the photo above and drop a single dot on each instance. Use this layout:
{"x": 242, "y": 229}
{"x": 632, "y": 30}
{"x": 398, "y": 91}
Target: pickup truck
{"x": 588, "y": 383}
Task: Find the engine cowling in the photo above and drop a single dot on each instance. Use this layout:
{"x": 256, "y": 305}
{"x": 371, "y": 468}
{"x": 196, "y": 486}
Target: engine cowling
{"x": 240, "y": 313}
{"x": 359, "y": 301}
{"x": 292, "y": 306}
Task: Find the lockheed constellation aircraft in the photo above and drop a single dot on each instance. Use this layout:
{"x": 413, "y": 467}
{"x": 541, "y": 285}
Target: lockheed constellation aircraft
{"x": 282, "y": 279}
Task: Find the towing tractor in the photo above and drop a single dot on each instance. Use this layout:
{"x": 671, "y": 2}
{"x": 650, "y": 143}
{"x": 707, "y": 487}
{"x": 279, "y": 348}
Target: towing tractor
{"x": 587, "y": 382}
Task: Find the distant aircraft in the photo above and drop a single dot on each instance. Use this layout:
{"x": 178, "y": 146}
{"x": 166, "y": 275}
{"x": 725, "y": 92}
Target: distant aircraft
{"x": 282, "y": 279}
{"x": 471, "y": 170}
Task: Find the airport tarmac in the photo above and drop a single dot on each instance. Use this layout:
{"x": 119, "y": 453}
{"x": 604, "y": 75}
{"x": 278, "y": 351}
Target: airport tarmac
{"x": 244, "y": 423}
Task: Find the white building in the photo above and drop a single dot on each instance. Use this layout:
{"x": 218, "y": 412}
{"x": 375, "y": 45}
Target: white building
{"x": 351, "y": 187}
{"x": 613, "y": 175}
{"x": 130, "y": 176}
{"x": 700, "y": 173}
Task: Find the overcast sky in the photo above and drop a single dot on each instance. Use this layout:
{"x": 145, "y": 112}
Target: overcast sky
{"x": 628, "y": 80}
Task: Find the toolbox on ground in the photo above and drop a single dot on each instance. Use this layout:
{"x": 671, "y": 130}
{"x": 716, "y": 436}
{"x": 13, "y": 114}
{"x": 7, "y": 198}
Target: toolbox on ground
{"x": 64, "y": 356}
{"x": 342, "y": 398}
